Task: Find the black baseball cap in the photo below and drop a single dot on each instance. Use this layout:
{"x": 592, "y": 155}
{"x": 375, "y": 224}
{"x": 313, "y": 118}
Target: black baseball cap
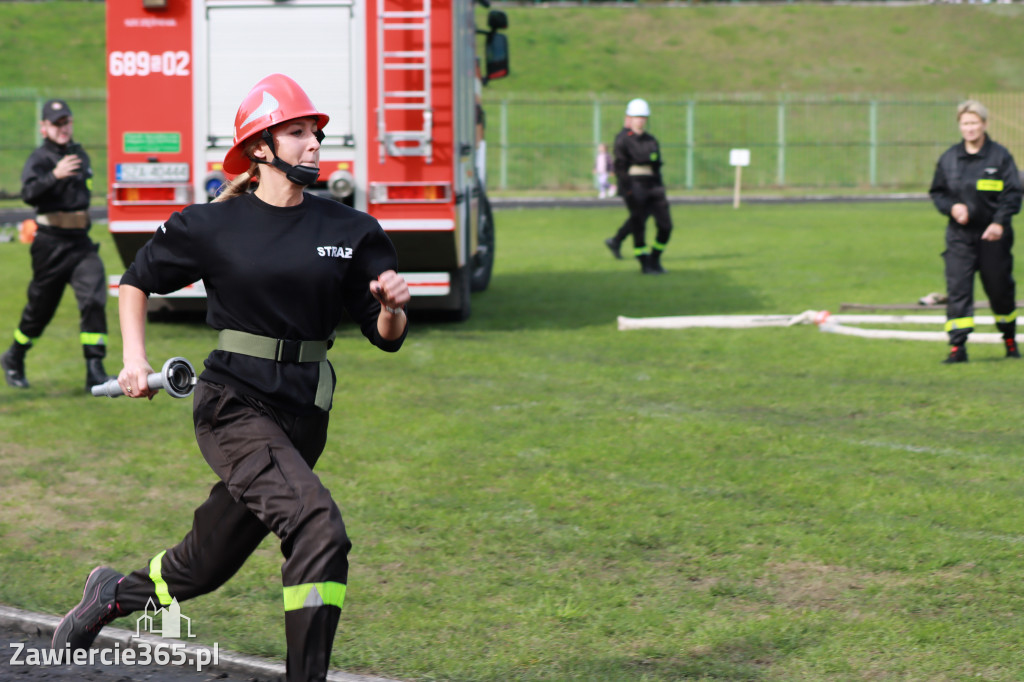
{"x": 56, "y": 109}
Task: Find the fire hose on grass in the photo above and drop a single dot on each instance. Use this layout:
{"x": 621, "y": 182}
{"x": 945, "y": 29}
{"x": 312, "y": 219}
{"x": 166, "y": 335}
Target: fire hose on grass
{"x": 177, "y": 377}
{"x": 825, "y": 321}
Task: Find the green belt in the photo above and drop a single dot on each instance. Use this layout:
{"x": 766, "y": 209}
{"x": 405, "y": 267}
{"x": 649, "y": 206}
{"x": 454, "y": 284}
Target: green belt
{"x": 283, "y": 350}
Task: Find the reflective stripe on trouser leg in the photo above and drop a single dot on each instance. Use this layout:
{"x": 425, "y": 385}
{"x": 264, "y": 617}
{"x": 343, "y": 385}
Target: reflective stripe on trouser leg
{"x": 658, "y": 246}
{"x": 314, "y": 594}
{"x": 144, "y": 587}
{"x": 94, "y": 345}
{"x": 22, "y": 339}
{"x": 959, "y": 329}
{"x": 1006, "y": 319}
{"x": 155, "y": 574}
{"x": 91, "y": 339}
{"x": 960, "y": 323}
{"x": 1007, "y": 325}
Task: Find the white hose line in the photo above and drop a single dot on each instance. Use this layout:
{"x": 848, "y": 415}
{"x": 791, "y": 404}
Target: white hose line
{"x": 826, "y": 322}
{"x": 902, "y": 319}
{"x": 709, "y": 321}
{"x": 833, "y": 328}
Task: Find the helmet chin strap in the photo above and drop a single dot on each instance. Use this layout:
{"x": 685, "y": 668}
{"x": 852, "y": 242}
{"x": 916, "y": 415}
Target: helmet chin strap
{"x": 300, "y": 175}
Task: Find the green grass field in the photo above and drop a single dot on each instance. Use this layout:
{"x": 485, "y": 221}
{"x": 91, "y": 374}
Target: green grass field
{"x": 646, "y": 47}
{"x": 534, "y": 495}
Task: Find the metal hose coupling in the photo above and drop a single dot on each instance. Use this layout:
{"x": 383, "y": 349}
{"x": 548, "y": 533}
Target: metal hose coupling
{"x": 177, "y": 377}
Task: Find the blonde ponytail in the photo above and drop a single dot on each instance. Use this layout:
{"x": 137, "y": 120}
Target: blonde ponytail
{"x": 238, "y": 186}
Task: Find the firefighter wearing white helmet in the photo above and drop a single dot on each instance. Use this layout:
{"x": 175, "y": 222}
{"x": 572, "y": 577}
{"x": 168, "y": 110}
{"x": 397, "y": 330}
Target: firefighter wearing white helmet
{"x": 282, "y": 269}
{"x": 638, "y": 107}
{"x": 638, "y": 172}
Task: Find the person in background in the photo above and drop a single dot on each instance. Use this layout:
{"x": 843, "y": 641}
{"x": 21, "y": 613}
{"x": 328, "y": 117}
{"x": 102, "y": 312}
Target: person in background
{"x": 282, "y": 268}
{"x": 602, "y": 172}
{"x": 976, "y": 184}
{"x": 638, "y": 174}
{"x": 57, "y": 181}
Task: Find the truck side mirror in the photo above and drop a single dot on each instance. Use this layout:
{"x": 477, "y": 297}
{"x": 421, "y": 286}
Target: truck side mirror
{"x": 497, "y": 55}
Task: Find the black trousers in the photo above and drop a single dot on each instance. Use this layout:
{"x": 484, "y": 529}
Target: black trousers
{"x": 967, "y": 254}
{"x": 59, "y": 260}
{"x": 264, "y": 458}
{"x": 645, "y": 198}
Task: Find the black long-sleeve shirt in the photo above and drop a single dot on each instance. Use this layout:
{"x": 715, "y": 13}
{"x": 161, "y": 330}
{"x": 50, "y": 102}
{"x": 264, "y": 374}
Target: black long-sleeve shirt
{"x": 635, "y": 150}
{"x": 283, "y": 272}
{"x": 39, "y": 187}
{"x": 988, "y": 183}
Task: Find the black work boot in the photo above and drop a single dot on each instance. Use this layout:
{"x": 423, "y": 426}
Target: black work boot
{"x": 654, "y": 262}
{"x": 615, "y": 246}
{"x": 13, "y": 364}
{"x": 95, "y": 374}
{"x": 98, "y": 607}
{"x": 1011, "y": 348}
{"x": 645, "y": 264}
{"x": 956, "y": 354}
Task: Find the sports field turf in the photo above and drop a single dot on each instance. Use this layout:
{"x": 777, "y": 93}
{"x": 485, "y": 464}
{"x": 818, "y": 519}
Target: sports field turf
{"x": 534, "y": 495}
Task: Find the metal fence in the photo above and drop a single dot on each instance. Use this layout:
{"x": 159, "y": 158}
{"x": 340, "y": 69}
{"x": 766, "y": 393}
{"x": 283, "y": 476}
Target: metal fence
{"x": 795, "y": 142}
{"x": 819, "y": 143}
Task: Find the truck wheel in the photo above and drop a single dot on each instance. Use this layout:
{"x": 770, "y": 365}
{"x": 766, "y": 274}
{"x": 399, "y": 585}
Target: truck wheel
{"x": 482, "y": 263}
{"x": 464, "y": 286}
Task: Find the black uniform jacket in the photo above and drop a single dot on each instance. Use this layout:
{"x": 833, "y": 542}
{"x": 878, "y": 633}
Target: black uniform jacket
{"x": 283, "y": 272}
{"x": 41, "y": 189}
{"x": 635, "y": 150}
{"x": 987, "y": 183}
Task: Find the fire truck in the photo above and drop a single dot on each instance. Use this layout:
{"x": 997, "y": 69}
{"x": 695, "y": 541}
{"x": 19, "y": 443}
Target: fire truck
{"x": 400, "y": 80}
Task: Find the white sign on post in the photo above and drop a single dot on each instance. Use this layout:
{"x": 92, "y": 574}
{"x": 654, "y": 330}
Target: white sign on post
{"x": 738, "y": 158}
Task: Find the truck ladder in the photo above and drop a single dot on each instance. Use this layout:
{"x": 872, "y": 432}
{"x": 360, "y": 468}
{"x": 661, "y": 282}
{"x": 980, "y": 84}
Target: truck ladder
{"x": 395, "y": 31}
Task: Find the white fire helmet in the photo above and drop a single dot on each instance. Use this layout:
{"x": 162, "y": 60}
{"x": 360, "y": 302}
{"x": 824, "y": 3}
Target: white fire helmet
{"x": 638, "y": 107}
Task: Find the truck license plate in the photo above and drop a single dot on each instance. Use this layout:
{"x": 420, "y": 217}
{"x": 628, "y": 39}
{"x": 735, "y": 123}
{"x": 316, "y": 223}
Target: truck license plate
{"x": 152, "y": 172}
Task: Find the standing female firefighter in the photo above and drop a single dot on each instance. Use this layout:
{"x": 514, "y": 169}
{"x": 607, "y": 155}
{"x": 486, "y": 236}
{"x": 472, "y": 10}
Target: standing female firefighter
{"x": 281, "y": 268}
{"x": 977, "y": 185}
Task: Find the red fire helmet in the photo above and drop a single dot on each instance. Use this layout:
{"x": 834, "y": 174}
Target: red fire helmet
{"x": 275, "y": 99}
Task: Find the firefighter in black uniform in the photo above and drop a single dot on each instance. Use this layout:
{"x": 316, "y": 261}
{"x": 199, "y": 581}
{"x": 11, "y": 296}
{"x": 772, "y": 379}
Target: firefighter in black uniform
{"x": 977, "y": 185}
{"x": 638, "y": 173}
{"x": 57, "y": 181}
{"x": 282, "y": 268}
